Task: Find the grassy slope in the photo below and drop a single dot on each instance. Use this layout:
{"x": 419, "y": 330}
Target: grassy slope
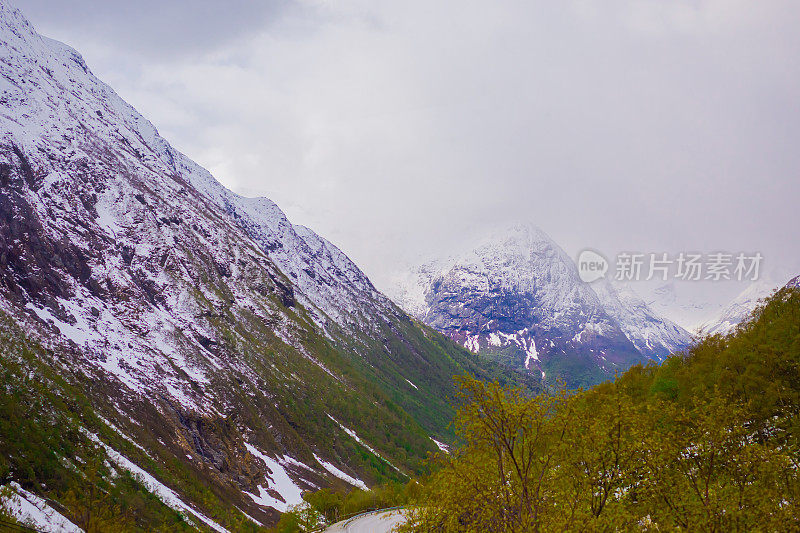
{"x": 576, "y": 369}
{"x": 44, "y": 448}
{"x": 44, "y": 405}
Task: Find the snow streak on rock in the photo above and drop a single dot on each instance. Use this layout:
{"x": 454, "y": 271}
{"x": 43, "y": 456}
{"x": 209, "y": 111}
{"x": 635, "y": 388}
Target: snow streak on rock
{"x": 33, "y": 511}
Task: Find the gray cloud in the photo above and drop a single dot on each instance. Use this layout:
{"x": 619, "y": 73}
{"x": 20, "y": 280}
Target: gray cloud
{"x": 398, "y": 129}
{"x": 157, "y": 28}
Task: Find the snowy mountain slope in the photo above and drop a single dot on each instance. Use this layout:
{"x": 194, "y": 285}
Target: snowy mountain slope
{"x": 335, "y": 287}
{"x": 740, "y": 308}
{"x": 201, "y": 324}
{"x": 517, "y": 294}
{"x": 654, "y": 336}
{"x": 328, "y": 283}
{"x": 686, "y": 303}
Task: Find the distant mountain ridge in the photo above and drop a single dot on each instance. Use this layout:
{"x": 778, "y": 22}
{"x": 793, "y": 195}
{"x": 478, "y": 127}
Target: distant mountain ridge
{"x": 518, "y": 295}
{"x": 740, "y": 308}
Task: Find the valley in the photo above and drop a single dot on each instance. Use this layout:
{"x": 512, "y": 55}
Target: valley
{"x": 176, "y": 356}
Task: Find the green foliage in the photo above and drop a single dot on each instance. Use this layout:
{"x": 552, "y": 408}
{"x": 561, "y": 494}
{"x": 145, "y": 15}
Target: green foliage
{"x": 43, "y": 447}
{"x": 301, "y": 517}
{"x": 708, "y": 441}
{"x": 667, "y": 387}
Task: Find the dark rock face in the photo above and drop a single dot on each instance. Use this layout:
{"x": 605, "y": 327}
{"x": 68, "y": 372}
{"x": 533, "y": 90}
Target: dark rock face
{"x": 501, "y": 319}
{"x": 455, "y": 308}
{"x": 33, "y": 263}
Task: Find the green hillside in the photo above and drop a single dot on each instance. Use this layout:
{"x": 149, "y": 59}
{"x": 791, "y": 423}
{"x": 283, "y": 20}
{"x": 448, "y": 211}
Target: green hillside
{"x": 49, "y": 411}
{"x": 708, "y": 441}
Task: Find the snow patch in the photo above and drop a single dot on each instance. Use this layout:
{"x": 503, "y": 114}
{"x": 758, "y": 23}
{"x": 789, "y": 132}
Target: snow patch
{"x": 33, "y": 511}
{"x": 472, "y": 343}
{"x": 341, "y": 475}
{"x": 442, "y": 446}
{"x": 281, "y": 483}
{"x": 126, "y": 437}
{"x": 355, "y": 437}
{"x": 531, "y": 354}
{"x": 76, "y": 334}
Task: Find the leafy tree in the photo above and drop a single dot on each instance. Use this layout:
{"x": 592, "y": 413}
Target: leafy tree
{"x": 706, "y": 442}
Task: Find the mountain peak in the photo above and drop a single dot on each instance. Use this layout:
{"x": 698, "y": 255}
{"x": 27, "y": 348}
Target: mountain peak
{"x": 520, "y": 238}
{"x": 522, "y": 231}
{"x": 517, "y": 292}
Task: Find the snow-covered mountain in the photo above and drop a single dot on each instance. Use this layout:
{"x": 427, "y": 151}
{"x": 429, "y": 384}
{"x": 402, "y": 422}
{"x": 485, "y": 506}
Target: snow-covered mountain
{"x": 653, "y": 335}
{"x": 687, "y": 303}
{"x": 518, "y": 294}
{"x": 243, "y": 358}
{"x": 740, "y": 308}
{"x": 123, "y": 211}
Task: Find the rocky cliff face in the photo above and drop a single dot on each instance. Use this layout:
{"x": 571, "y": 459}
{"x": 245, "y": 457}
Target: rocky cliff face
{"x": 518, "y": 297}
{"x": 241, "y": 353}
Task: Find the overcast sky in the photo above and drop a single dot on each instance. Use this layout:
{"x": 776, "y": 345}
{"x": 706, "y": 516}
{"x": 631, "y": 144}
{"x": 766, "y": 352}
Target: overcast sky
{"x": 396, "y": 129}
